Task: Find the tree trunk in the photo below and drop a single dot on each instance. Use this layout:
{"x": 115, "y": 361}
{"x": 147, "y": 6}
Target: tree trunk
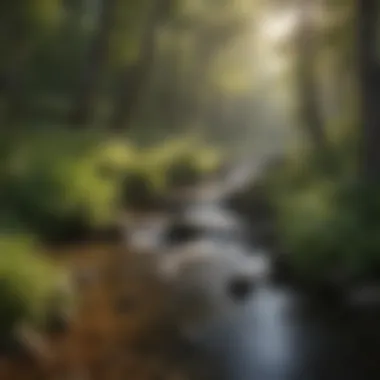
{"x": 369, "y": 78}
{"x": 11, "y": 83}
{"x": 86, "y": 103}
{"x": 133, "y": 78}
{"x": 310, "y": 112}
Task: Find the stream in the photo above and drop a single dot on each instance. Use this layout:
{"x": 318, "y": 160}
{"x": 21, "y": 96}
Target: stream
{"x": 278, "y": 335}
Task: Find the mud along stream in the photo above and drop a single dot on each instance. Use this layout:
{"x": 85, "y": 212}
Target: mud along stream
{"x": 276, "y": 334}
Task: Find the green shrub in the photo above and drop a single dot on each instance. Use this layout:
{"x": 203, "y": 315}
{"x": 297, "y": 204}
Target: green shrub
{"x": 65, "y": 184}
{"x": 58, "y": 180}
{"x": 181, "y": 162}
{"x": 360, "y": 225}
{"x": 28, "y": 283}
{"x": 327, "y": 225}
{"x": 208, "y": 159}
{"x": 305, "y": 222}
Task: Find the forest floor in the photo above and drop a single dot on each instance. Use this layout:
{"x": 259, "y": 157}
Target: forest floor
{"x": 121, "y": 330}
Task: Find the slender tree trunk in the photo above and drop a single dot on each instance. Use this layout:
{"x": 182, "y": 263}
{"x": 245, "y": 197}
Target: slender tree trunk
{"x": 310, "y": 112}
{"x": 369, "y": 78}
{"x": 134, "y": 77}
{"x": 11, "y": 83}
{"x": 85, "y": 105}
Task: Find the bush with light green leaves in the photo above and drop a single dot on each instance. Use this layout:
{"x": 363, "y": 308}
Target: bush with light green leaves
{"x": 29, "y": 283}
{"x": 58, "y": 180}
{"x": 68, "y": 185}
{"x": 183, "y": 162}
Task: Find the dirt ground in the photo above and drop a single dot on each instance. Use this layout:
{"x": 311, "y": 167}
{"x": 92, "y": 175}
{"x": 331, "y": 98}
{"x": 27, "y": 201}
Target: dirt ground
{"x": 122, "y": 329}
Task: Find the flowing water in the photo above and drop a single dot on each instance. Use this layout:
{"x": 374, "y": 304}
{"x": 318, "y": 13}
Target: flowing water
{"x": 278, "y": 335}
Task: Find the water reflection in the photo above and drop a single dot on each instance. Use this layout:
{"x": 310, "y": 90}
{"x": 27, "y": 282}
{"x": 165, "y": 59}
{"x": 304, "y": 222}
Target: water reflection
{"x": 262, "y": 340}
{"x": 274, "y": 335}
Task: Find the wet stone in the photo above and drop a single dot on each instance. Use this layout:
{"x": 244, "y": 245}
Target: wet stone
{"x": 182, "y": 232}
{"x": 240, "y": 288}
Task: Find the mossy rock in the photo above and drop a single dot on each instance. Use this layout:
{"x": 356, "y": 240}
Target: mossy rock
{"x": 181, "y": 232}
